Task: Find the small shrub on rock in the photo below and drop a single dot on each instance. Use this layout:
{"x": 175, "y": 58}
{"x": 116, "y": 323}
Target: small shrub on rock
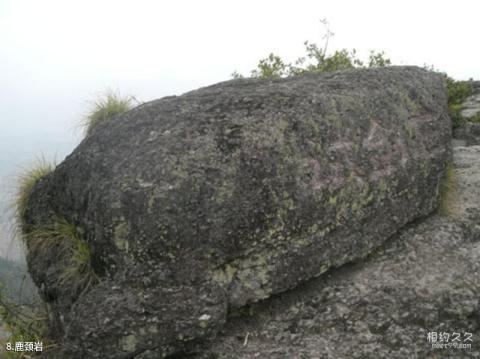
{"x": 458, "y": 91}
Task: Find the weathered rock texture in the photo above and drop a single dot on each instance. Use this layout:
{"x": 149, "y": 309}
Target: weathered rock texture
{"x": 471, "y": 106}
{"x": 468, "y": 134}
{"x": 424, "y": 279}
{"x": 197, "y": 204}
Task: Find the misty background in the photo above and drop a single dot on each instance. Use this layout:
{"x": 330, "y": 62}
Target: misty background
{"x": 57, "y": 55}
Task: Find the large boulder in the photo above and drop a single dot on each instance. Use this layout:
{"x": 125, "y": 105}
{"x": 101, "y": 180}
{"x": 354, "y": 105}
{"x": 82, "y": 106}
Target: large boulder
{"x": 201, "y": 203}
{"x": 416, "y": 296}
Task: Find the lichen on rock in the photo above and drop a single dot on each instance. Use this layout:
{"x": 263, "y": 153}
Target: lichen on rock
{"x": 205, "y": 202}
{"x": 423, "y": 281}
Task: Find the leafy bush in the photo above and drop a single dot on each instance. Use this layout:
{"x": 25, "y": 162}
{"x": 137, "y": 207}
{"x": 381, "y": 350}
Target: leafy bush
{"x": 458, "y": 91}
{"x": 271, "y": 67}
{"x": 109, "y": 105}
{"x": 315, "y": 59}
{"x": 454, "y": 111}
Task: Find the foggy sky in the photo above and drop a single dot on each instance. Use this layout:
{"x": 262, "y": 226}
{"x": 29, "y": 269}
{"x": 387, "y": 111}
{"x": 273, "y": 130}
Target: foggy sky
{"x": 55, "y": 55}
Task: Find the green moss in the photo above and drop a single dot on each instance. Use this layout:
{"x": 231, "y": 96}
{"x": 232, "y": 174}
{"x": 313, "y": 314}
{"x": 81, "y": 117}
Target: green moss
{"x": 447, "y": 189}
{"x": 375, "y": 253}
{"x": 109, "y": 105}
{"x": 251, "y": 272}
{"x": 224, "y": 275}
{"x": 120, "y": 235}
{"x": 128, "y": 343}
{"x": 475, "y": 119}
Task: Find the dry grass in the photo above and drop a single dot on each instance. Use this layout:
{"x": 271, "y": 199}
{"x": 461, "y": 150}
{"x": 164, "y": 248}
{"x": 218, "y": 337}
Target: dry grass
{"x": 107, "y": 106}
{"x": 447, "y": 192}
{"x": 26, "y": 324}
{"x": 27, "y": 181}
{"x": 67, "y": 240}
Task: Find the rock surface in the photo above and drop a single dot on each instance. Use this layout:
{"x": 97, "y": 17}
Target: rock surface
{"x": 197, "y": 204}
{"x": 424, "y": 279}
{"x": 468, "y": 134}
{"x": 471, "y": 106}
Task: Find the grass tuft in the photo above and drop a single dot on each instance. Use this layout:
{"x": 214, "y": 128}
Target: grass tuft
{"x": 27, "y": 181}
{"x": 78, "y": 273}
{"x": 107, "y": 106}
{"x": 447, "y": 189}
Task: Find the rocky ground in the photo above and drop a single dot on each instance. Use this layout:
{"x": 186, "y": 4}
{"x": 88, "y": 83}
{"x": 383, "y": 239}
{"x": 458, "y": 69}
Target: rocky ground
{"x": 423, "y": 280}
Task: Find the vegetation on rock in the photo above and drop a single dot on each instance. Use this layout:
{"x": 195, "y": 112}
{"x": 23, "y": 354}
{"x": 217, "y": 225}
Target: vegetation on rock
{"x": 77, "y": 274}
{"x": 24, "y": 324}
{"x": 447, "y": 188}
{"x": 315, "y": 59}
{"x": 475, "y": 119}
{"x": 27, "y": 181}
{"x": 458, "y": 91}
{"x": 107, "y": 106}
{"x": 27, "y": 322}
